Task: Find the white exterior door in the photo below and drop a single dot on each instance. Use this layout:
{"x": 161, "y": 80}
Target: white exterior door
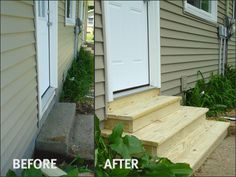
{"x": 127, "y": 43}
{"x": 43, "y": 43}
{"x": 46, "y": 13}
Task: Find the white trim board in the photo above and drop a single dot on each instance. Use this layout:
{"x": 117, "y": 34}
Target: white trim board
{"x": 44, "y": 102}
{"x": 70, "y": 21}
{"x": 154, "y": 47}
{"x": 209, "y": 16}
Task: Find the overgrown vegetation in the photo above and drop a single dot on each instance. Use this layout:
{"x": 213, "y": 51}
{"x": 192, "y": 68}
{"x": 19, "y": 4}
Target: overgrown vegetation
{"x": 80, "y": 78}
{"x": 217, "y": 94}
{"x": 127, "y": 147}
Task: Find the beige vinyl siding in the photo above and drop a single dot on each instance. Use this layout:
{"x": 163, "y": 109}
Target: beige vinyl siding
{"x": 18, "y": 81}
{"x": 188, "y": 44}
{"x": 65, "y": 44}
{"x": 99, "y": 63}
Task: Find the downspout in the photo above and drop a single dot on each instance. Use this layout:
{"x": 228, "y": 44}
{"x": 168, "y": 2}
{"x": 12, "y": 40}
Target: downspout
{"x": 76, "y": 36}
{"x": 222, "y": 33}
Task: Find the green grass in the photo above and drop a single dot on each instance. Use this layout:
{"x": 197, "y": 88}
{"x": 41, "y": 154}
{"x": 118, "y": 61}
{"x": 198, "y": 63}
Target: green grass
{"x": 90, "y": 37}
{"x": 80, "y": 78}
{"x": 217, "y": 94}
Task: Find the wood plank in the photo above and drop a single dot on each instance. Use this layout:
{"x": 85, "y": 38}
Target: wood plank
{"x": 207, "y": 141}
{"x": 139, "y": 107}
{"x": 134, "y": 98}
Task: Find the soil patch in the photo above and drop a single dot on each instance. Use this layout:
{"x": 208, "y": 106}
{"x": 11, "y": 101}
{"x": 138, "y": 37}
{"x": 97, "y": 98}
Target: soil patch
{"x": 221, "y": 162}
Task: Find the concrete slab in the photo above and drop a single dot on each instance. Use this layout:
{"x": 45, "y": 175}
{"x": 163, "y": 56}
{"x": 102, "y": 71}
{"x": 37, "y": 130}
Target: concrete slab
{"x": 221, "y": 162}
{"x": 82, "y": 139}
{"x": 55, "y": 133}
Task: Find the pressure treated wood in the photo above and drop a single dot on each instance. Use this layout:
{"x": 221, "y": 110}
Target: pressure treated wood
{"x": 167, "y": 129}
{"x": 121, "y": 102}
{"x": 135, "y": 109}
{"x": 204, "y": 141}
{"x": 136, "y": 112}
{"x": 164, "y": 128}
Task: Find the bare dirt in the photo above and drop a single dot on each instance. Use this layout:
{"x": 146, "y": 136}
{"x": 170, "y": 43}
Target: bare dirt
{"x": 221, "y": 162}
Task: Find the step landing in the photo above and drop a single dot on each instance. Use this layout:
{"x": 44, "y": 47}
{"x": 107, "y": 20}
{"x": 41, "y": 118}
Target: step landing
{"x": 140, "y": 111}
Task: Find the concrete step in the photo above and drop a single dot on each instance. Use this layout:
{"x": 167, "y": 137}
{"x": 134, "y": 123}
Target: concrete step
{"x": 54, "y": 134}
{"x": 140, "y": 111}
{"x": 198, "y": 145}
{"x": 82, "y": 137}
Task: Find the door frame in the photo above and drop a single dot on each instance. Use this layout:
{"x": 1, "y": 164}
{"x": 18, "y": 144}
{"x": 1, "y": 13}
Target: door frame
{"x": 44, "y": 102}
{"x": 154, "y": 47}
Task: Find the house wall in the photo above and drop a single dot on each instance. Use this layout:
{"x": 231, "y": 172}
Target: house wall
{"x": 188, "y": 44}
{"x": 65, "y": 44}
{"x": 18, "y": 81}
{"x": 99, "y": 63}
{"x": 66, "y": 41}
{"x": 19, "y": 104}
{"x": 232, "y": 41}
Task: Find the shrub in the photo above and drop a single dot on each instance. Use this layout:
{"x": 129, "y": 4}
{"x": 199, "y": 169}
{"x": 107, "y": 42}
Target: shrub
{"x": 80, "y": 78}
{"x": 218, "y": 94}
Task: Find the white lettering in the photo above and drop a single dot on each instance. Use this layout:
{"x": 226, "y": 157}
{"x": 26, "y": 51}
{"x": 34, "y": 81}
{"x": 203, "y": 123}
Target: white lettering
{"x": 121, "y": 163}
{"x": 37, "y": 163}
{"x": 16, "y": 163}
{"x": 107, "y": 164}
{"x": 134, "y": 163}
{"x": 53, "y": 163}
{"x": 24, "y": 164}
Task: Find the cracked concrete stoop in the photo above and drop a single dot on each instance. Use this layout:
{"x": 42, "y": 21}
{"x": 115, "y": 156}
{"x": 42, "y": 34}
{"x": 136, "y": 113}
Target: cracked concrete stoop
{"x": 82, "y": 137}
{"x": 55, "y": 133}
{"x": 66, "y": 133}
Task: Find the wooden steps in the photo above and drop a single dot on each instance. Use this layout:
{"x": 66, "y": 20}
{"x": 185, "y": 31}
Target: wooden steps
{"x": 138, "y": 112}
{"x": 204, "y": 141}
{"x": 167, "y": 129}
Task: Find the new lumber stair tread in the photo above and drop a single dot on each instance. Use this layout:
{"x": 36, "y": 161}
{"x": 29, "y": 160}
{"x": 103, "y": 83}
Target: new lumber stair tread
{"x": 167, "y": 126}
{"x": 197, "y": 146}
{"x": 135, "y": 109}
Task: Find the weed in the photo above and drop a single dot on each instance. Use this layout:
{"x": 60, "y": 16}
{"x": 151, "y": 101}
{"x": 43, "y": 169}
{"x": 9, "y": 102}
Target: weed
{"x": 80, "y": 78}
{"x": 218, "y": 94}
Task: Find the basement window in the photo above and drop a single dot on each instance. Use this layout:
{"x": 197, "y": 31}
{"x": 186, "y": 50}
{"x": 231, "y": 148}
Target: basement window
{"x": 70, "y": 11}
{"x": 205, "y": 9}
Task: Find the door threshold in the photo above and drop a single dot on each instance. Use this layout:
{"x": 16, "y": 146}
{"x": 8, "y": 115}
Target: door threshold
{"x": 132, "y": 91}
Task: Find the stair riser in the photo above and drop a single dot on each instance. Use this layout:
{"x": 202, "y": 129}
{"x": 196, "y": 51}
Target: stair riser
{"x": 164, "y": 148}
{"x": 131, "y": 99}
{"x": 152, "y": 150}
{"x": 136, "y": 124}
{"x": 154, "y": 116}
